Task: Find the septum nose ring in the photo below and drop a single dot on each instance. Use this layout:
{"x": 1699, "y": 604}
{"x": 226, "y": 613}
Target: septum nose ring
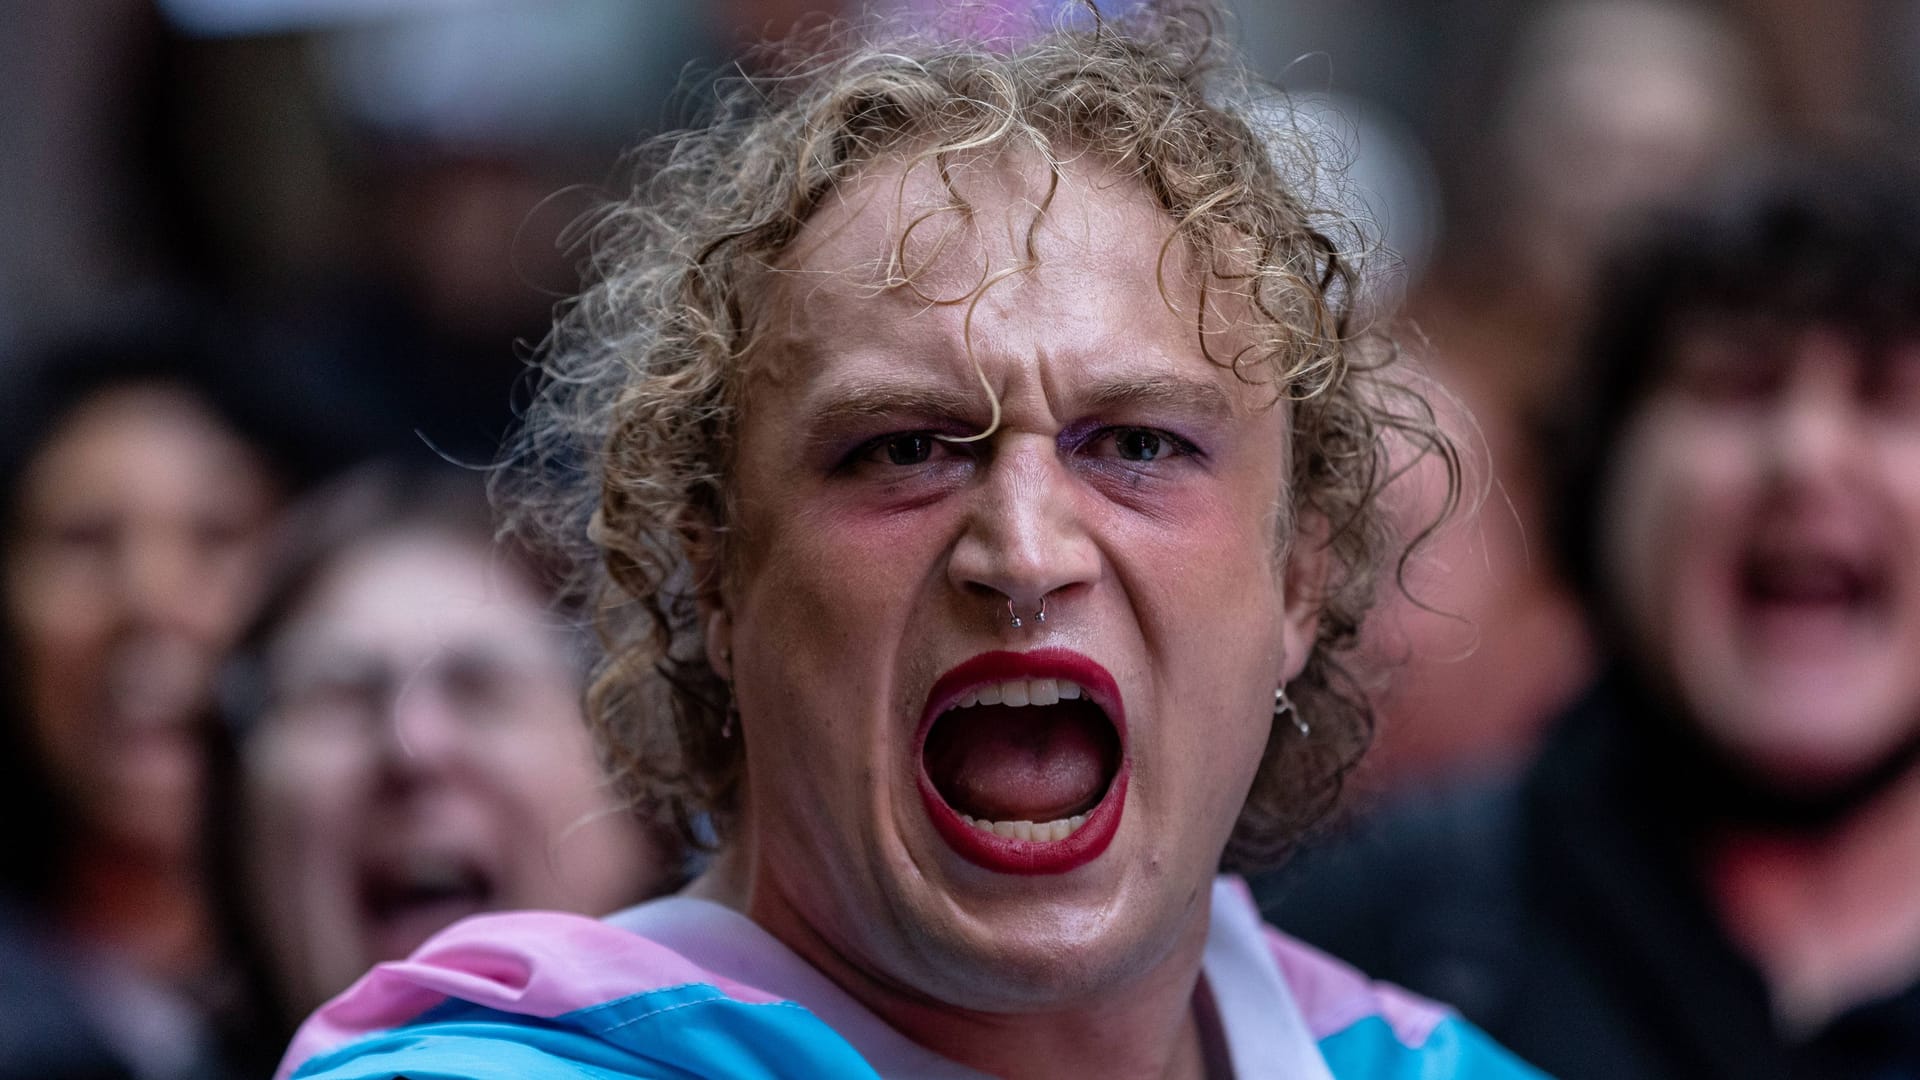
{"x": 1013, "y": 615}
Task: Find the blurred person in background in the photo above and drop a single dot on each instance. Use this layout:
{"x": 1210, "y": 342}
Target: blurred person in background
{"x": 142, "y": 463}
{"x": 1710, "y": 871}
{"x": 409, "y": 744}
{"x": 1607, "y": 108}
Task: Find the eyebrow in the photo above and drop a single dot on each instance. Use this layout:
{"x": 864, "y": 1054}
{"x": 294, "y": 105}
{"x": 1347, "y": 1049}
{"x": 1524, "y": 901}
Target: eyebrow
{"x": 864, "y": 402}
{"x": 1191, "y": 397}
{"x": 1197, "y": 400}
{"x": 842, "y": 409}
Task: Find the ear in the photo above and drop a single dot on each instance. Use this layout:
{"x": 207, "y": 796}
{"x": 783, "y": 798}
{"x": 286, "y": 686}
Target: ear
{"x": 1303, "y": 580}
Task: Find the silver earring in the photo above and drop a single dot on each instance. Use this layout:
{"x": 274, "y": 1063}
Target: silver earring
{"x": 1283, "y": 707}
{"x": 726, "y": 726}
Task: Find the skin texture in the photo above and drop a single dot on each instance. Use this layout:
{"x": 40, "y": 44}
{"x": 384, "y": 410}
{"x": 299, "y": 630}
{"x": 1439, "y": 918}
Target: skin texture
{"x": 1778, "y": 453}
{"x": 426, "y": 715}
{"x": 142, "y": 529}
{"x": 868, "y": 560}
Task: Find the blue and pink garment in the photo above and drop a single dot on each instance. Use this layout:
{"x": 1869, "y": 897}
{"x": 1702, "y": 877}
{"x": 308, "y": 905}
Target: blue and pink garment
{"x": 682, "y": 988}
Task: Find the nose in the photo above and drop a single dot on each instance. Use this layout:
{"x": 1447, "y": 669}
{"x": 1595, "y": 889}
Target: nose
{"x": 1817, "y": 423}
{"x": 169, "y": 577}
{"x": 156, "y": 583}
{"x": 421, "y": 732}
{"x": 1026, "y": 539}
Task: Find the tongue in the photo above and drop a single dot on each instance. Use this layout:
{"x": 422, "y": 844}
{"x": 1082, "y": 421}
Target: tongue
{"x": 1038, "y": 763}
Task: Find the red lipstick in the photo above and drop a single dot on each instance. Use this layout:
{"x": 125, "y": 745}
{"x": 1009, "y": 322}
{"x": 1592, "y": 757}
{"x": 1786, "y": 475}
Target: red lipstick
{"x": 1006, "y": 854}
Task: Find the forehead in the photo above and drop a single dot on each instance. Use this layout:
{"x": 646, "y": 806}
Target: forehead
{"x": 1728, "y": 343}
{"x": 156, "y": 448}
{"x": 140, "y": 422}
{"x": 938, "y": 223}
{"x": 994, "y": 257}
{"x": 400, "y": 589}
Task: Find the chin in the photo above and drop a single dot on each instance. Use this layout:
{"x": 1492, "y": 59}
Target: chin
{"x": 1835, "y": 714}
{"x": 1796, "y": 757}
{"x": 1033, "y": 969}
{"x": 1026, "y": 944}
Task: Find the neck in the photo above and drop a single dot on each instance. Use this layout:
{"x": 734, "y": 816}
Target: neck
{"x": 1134, "y": 1039}
{"x": 151, "y": 912}
{"x": 1831, "y": 917}
{"x": 1149, "y": 1029}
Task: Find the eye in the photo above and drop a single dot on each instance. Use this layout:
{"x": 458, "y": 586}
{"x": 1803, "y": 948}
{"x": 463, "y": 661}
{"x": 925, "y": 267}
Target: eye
{"x": 219, "y": 535}
{"x": 479, "y": 686}
{"x": 1730, "y": 367}
{"x": 902, "y": 449}
{"x": 341, "y": 695}
{"x": 909, "y": 449}
{"x": 1140, "y": 444}
{"x": 85, "y": 534}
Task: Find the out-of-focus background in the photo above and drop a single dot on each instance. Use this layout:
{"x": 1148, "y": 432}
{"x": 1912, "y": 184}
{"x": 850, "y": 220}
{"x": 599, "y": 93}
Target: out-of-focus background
{"x": 380, "y": 192}
{"x": 248, "y": 244}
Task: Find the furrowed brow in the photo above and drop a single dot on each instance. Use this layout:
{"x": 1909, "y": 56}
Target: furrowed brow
{"x": 1185, "y": 397}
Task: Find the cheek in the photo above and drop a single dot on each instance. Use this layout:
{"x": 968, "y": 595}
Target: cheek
{"x": 306, "y": 794}
{"x": 1208, "y": 592}
{"x": 845, "y": 542}
{"x": 310, "y": 787}
{"x": 825, "y": 590}
{"x": 304, "y": 893}
{"x": 232, "y": 577}
{"x": 63, "y": 633}
{"x": 547, "y": 771}
{"x": 814, "y": 628}
{"x": 1671, "y": 514}
{"x": 300, "y": 824}
{"x": 585, "y": 853}
{"x": 1206, "y": 575}
{"x": 63, "y": 678}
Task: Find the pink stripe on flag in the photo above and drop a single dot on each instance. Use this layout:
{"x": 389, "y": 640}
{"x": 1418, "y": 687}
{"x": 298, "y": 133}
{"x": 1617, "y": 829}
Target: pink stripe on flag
{"x": 533, "y": 963}
{"x": 1335, "y": 996}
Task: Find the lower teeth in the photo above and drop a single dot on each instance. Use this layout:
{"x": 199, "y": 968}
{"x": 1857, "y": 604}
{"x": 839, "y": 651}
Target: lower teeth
{"x": 1044, "y": 832}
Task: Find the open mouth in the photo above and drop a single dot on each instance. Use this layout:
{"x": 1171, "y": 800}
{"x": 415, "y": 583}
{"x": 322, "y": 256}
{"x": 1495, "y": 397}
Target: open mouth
{"x": 406, "y": 899}
{"x": 1812, "y": 584}
{"x": 1023, "y": 763}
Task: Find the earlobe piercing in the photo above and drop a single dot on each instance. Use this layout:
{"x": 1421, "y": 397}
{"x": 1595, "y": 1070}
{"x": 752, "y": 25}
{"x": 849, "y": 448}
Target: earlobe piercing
{"x": 1283, "y": 707}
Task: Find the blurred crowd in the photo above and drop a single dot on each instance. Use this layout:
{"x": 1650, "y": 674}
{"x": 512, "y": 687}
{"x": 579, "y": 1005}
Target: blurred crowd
{"x": 276, "y": 705}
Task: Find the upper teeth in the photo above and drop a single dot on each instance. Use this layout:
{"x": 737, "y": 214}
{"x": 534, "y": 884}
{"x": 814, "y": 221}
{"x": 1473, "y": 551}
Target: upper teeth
{"x": 1020, "y": 692}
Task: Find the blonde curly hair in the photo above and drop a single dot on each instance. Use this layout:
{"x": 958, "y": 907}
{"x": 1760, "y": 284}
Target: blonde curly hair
{"x": 625, "y": 461}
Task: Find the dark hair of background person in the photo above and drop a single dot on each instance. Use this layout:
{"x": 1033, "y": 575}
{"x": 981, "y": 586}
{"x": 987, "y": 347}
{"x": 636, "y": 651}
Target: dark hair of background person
{"x": 378, "y": 499}
{"x": 1824, "y": 234}
{"x": 232, "y": 368}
